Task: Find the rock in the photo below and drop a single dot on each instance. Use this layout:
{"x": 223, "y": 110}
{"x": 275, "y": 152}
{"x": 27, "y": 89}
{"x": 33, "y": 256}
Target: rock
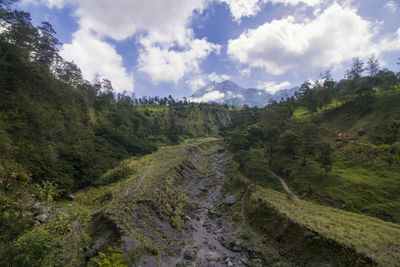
{"x": 42, "y": 217}
{"x": 214, "y": 256}
{"x": 95, "y": 248}
{"x": 97, "y": 245}
{"x": 37, "y": 205}
{"x": 230, "y": 264}
{"x": 74, "y": 225}
{"x": 230, "y": 200}
{"x": 95, "y": 212}
{"x": 221, "y": 239}
{"x": 257, "y": 263}
{"x": 1, "y": 168}
{"x": 71, "y": 197}
{"x": 187, "y": 218}
{"x": 127, "y": 243}
{"x": 188, "y": 255}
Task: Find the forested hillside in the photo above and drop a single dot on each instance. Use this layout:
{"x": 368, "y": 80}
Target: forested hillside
{"x": 60, "y": 133}
{"x": 335, "y": 142}
{"x": 57, "y": 127}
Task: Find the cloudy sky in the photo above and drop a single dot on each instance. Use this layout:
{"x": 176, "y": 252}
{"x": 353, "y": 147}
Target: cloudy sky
{"x": 162, "y": 47}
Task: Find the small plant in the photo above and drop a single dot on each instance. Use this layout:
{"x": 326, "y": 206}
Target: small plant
{"x": 112, "y": 258}
{"x": 236, "y": 217}
{"x": 48, "y": 191}
{"x": 246, "y": 236}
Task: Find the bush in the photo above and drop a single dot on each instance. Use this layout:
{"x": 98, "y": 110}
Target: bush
{"x": 36, "y": 248}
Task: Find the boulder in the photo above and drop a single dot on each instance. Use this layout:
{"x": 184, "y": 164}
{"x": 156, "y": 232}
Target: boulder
{"x": 1, "y": 168}
{"x": 71, "y": 197}
{"x": 42, "y": 217}
{"x": 214, "y": 256}
{"x": 188, "y": 255}
{"x": 230, "y": 200}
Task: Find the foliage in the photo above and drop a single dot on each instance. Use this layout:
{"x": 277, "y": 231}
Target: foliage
{"x": 36, "y": 248}
{"x": 113, "y": 258}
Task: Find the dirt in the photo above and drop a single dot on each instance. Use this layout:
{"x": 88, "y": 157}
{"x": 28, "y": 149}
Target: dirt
{"x": 209, "y": 238}
{"x": 284, "y": 185}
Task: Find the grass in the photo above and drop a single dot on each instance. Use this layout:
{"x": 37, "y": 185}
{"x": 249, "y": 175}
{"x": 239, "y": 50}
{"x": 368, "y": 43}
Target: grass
{"x": 361, "y": 179}
{"x": 369, "y": 236}
{"x": 368, "y": 187}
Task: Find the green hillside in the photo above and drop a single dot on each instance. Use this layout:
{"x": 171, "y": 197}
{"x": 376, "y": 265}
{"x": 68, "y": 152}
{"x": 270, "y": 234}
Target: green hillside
{"x": 323, "y": 230}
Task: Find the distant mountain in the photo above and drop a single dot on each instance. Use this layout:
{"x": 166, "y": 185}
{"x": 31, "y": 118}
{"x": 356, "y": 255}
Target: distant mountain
{"x": 230, "y": 93}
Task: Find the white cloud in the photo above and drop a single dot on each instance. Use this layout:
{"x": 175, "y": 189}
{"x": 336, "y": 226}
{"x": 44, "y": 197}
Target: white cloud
{"x": 163, "y": 64}
{"x": 272, "y": 87}
{"x": 213, "y": 77}
{"x": 243, "y": 8}
{"x": 248, "y": 8}
{"x": 98, "y": 59}
{"x": 208, "y": 97}
{"x": 196, "y": 83}
{"x": 245, "y": 72}
{"x": 169, "y": 48}
{"x": 202, "y": 80}
{"x": 391, "y": 6}
{"x": 285, "y": 44}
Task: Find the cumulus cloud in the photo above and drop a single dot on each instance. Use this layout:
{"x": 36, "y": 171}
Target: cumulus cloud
{"x": 282, "y": 45}
{"x": 243, "y": 8}
{"x": 391, "y": 6}
{"x": 208, "y": 97}
{"x": 213, "y": 77}
{"x": 196, "y": 83}
{"x": 248, "y": 8}
{"x": 163, "y": 64}
{"x": 98, "y": 59}
{"x": 202, "y": 80}
{"x": 169, "y": 49}
{"x": 272, "y": 86}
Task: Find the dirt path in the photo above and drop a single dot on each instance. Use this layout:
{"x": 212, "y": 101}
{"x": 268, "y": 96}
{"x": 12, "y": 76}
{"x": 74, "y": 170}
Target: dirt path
{"x": 209, "y": 237}
{"x": 284, "y": 185}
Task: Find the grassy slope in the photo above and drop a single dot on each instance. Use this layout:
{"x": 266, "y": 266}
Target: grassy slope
{"x": 369, "y": 236}
{"x": 362, "y": 185}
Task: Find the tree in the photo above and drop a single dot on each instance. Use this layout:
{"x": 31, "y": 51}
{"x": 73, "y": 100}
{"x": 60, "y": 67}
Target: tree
{"x": 45, "y": 47}
{"x": 324, "y": 158}
{"x": 356, "y": 70}
{"x": 307, "y": 97}
{"x": 372, "y": 66}
{"x": 288, "y": 141}
{"x": 308, "y": 133}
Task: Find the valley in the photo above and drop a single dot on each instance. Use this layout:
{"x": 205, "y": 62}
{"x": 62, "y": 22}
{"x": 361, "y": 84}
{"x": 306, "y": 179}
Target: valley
{"x": 94, "y": 175}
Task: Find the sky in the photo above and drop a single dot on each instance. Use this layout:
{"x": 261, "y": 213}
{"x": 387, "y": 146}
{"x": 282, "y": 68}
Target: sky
{"x": 175, "y": 47}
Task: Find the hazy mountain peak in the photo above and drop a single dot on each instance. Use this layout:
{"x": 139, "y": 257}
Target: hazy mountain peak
{"x": 229, "y": 92}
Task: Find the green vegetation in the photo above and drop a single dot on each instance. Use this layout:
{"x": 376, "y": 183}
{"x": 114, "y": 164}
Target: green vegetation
{"x": 325, "y": 228}
{"x": 151, "y": 195}
{"x": 335, "y": 143}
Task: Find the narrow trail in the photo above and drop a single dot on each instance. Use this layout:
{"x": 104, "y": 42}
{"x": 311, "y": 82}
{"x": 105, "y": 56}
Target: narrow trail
{"x": 284, "y": 185}
{"x": 209, "y": 237}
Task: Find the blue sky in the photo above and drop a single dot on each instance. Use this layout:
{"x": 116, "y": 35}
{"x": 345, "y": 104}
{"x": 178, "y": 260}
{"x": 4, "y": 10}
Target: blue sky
{"x": 159, "y": 47}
